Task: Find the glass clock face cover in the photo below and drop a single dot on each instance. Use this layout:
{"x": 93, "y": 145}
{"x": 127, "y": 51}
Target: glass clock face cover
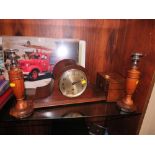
{"x": 73, "y": 83}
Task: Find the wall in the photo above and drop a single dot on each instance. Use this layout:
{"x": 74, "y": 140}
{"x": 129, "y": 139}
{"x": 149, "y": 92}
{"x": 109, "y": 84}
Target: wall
{"x": 148, "y": 124}
{"x": 100, "y": 36}
{"x": 137, "y": 36}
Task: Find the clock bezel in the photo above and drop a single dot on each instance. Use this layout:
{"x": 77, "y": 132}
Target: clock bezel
{"x": 81, "y": 92}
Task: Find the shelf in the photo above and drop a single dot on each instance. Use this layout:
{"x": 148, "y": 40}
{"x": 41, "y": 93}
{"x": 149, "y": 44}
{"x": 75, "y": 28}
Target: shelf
{"x": 94, "y": 110}
{"x": 90, "y": 105}
{"x": 5, "y": 97}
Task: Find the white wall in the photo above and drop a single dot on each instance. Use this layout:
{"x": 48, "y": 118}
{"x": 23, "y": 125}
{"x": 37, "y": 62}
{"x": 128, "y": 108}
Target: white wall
{"x": 148, "y": 124}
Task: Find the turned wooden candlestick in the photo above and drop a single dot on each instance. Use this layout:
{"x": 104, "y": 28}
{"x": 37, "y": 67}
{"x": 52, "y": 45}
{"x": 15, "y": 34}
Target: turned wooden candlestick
{"x": 22, "y": 108}
{"x": 127, "y": 104}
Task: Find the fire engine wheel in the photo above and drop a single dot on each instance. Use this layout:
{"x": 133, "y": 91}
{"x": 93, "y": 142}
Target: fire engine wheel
{"x": 34, "y": 74}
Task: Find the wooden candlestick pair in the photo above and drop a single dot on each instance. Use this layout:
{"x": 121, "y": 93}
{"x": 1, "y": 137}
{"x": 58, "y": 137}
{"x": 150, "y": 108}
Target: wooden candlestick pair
{"x": 22, "y": 108}
{"x": 127, "y": 104}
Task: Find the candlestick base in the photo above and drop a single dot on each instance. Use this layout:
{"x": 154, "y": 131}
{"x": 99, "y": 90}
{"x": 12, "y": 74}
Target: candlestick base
{"x": 126, "y": 108}
{"x": 22, "y": 109}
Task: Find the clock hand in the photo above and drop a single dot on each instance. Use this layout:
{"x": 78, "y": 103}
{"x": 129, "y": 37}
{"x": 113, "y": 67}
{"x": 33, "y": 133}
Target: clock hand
{"x": 76, "y": 82}
{"x": 82, "y": 82}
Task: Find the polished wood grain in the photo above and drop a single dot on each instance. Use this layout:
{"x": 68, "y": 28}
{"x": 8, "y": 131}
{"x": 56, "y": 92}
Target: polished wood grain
{"x": 57, "y": 99}
{"x": 22, "y": 108}
{"x": 17, "y": 82}
{"x": 50, "y": 120}
{"x": 59, "y": 67}
{"x": 138, "y": 36}
{"x": 100, "y": 36}
{"x": 112, "y": 84}
{"x": 109, "y": 44}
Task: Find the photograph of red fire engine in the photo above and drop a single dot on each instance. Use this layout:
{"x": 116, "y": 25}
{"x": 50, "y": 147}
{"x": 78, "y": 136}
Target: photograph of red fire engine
{"x": 37, "y": 56}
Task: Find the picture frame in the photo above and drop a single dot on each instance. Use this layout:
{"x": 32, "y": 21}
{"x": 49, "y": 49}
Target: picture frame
{"x": 36, "y": 56}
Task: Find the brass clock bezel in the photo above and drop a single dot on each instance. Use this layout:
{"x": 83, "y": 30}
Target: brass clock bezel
{"x": 71, "y": 95}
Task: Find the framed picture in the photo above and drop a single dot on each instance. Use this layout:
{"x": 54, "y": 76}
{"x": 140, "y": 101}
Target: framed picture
{"x": 36, "y": 56}
{"x": 1, "y": 58}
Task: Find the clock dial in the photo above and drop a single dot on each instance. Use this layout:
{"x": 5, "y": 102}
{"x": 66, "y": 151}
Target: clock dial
{"x": 73, "y": 83}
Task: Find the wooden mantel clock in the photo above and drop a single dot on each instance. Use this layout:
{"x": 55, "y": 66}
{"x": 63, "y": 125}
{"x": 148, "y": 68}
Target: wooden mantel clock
{"x": 71, "y": 86}
{"x": 70, "y": 78}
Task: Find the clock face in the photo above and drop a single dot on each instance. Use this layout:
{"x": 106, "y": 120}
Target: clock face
{"x": 73, "y": 83}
